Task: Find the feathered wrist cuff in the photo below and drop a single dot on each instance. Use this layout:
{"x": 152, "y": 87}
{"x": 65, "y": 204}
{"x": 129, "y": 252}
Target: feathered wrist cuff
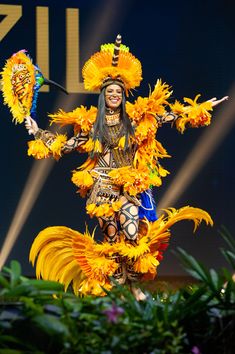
{"x": 46, "y": 136}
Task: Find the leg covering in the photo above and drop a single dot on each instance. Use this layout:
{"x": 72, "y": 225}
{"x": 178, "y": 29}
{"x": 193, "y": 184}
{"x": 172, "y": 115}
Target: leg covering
{"x": 129, "y": 220}
{"x": 109, "y": 228}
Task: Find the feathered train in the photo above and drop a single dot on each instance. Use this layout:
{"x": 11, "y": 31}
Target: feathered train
{"x": 69, "y": 257}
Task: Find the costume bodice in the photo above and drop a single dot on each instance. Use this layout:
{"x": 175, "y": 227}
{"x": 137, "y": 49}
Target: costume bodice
{"x": 112, "y": 156}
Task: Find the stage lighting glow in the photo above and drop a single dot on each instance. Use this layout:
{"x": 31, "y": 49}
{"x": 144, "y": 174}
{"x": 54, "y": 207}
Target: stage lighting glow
{"x": 206, "y": 145}
{"x": 36, "y": 179}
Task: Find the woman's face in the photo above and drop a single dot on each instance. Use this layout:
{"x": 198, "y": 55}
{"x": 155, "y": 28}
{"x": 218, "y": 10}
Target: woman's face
{"x": 113, "y": 96}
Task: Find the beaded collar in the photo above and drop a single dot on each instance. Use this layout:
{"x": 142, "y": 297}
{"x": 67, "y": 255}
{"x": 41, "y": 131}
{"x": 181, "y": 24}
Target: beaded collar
{"x": 112, "y": 117}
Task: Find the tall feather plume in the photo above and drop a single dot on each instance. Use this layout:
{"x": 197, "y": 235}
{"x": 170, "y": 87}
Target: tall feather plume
{"x": 116, "y": 50}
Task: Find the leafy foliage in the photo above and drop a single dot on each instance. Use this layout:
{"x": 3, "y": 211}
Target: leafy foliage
{"x": 38, "y": 317}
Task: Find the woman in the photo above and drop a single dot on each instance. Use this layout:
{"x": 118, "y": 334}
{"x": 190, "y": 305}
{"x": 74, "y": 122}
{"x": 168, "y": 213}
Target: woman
{"x": 111, "y": 123}
{"x": 122, "y": 167}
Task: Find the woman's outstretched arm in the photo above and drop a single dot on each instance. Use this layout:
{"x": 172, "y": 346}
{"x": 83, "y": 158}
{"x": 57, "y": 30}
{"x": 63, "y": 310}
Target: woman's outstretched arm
{"x": 49, "y": 139}
{"x": 171, "y": 117}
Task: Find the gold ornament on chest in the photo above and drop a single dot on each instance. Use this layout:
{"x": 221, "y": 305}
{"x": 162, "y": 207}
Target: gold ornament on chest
{"x": 112, "y": 118}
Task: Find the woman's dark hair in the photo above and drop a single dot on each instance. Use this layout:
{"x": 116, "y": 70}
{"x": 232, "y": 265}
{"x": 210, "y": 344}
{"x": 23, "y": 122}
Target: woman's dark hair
{"x": 99, "y": 125}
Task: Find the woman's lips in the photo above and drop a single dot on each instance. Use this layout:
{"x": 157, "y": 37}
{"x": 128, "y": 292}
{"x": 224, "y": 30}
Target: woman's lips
{"x": 114, "y": 100}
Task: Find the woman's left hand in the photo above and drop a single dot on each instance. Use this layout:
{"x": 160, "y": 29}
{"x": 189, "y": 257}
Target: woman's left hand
{"x": 215, "y": 102}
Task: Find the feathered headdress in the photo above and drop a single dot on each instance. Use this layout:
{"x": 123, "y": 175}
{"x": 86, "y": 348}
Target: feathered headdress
{"x": 21, "y": 81}
{"x": 114, "y": 62}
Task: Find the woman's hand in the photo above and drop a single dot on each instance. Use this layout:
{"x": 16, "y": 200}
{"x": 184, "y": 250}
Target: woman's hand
{"x": 215, "y": 102}
{"x": 31, "y": 125}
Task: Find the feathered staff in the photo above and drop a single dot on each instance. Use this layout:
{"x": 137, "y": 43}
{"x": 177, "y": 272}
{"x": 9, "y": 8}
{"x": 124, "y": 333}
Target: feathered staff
{"x": 21, "y": 81}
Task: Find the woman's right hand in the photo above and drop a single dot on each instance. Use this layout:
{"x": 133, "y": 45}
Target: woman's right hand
{"x": 31, "y": 125}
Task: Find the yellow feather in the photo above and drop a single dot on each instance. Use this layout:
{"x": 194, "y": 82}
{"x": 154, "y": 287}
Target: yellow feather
{"x": 121, "y": 142}
{"x": 53, "y": 250}
{"x": 89, "y": 164}
{"x": 47, "y": 235}
{"x": 195, "y": 114}
{"x": 67, "y": 256}
{"x": 99, "y": 67}
{"x": 58, "y": 261}
{"x": 97, "y": 146}
{"x": 103, "y": 210}
{"x": 197, "y": 215}
{"x": 70, "y": 273}
{"x": 81, "y": 117}
{"x": 38, "y": 149}
{"x": 133, "y": 251}
{"x": 57, "y": 145}
{"x": 146, "y": 263}
{"x": 82, "y": 179}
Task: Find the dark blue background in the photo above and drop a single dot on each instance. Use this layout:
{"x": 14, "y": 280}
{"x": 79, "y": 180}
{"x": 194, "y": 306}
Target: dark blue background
{"x": 191, "y": 46}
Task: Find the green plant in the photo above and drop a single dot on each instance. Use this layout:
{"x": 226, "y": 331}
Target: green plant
{"x": 38, "y": 317}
